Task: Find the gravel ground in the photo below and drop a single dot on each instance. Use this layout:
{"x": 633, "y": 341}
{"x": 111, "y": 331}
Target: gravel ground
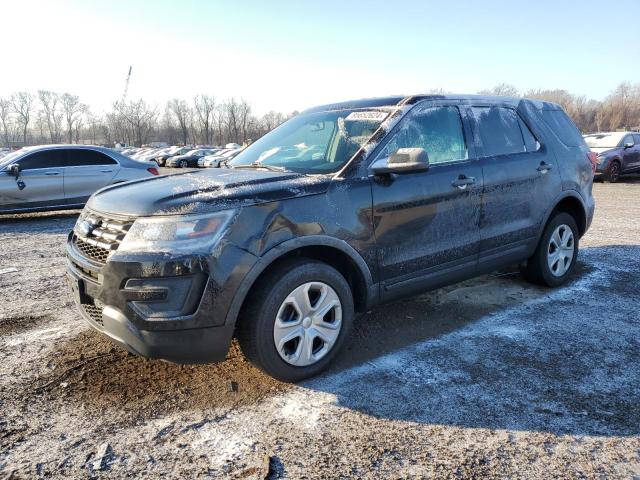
{"x": 489, "y": 378}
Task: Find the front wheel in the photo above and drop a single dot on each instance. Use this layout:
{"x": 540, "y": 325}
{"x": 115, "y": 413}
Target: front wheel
{"x": 555, "y": 257}
{"x": 297, "y": 319}
{"x": 184, "y": 164}
{"x": 613, "y": 174}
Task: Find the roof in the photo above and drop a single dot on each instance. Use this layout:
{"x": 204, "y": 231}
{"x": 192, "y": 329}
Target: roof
{"x": 398, "y": 100}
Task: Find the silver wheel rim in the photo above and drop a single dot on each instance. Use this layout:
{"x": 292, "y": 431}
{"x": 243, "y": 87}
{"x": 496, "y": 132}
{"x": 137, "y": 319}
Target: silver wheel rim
{"x": 561, "y": 250}
{"x": 307, "y": 324}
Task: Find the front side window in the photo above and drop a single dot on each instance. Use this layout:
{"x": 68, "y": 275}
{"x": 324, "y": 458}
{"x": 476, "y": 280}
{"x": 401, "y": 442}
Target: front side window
{"x": 316, "y": 142}
{"x": 44, "y": 159}
{"x": 84, "y": 158}
{"x": 626, "y": 140}
{"x": 438, "y": 130}
{"x": 499, "y": 130}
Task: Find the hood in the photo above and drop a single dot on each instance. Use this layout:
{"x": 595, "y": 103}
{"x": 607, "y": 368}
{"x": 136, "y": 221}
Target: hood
{"x": 601, "y": 150}
{"x": 204, "y": 191}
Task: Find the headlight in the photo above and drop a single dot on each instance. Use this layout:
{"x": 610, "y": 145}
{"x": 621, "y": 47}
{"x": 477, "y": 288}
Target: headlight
{"x": 187, "y": 233}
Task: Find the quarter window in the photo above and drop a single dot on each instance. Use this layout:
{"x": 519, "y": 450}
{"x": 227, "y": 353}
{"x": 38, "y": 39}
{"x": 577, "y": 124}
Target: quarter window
{"x": 83, "y": 158}
{"x": 501, "y": 131}
{"x": 438, "y": 130}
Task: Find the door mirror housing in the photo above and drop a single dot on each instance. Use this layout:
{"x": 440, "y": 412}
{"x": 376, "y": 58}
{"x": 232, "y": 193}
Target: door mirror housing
{"x": 403, "y": 160}
{"x": 628, "y": 145}
{"x": 14, "y": 169}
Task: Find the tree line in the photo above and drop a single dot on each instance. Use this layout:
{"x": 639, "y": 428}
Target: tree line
{"x": 620, "y": 110}
{"x": 50, "y": 117}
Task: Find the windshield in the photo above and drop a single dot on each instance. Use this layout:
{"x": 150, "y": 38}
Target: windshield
{"x": 9, "y": 158}
{"x": 320, "y": 142}
{"x": 603, "y": 140}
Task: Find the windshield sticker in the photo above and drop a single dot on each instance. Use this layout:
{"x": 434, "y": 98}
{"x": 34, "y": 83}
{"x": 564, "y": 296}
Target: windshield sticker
{"x": 367, "y": 116}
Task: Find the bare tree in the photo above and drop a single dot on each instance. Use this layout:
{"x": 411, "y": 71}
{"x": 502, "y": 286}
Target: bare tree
{"x": 182, "y": 114}
{"x": 5, "y": 120}
{"x": 140, "y": 118}
{"x": 22, "y": 103}
{"x": 205, "y": 108}
{"x": 73, "y": 110}
{"x": 52, "y": 111}
{"x": 502, "y": 90}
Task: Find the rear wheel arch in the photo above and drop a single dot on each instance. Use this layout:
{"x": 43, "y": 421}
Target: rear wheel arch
{"x": 573, "y": 206}
{"x": 336, "y": 253}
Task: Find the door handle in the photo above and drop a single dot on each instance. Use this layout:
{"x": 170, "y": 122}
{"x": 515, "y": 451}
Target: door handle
{"x": 544, "y": 167}
{"x": 462, "y": 181}
{"x": 52, "y": 173}
{"x": 106, "y": 171}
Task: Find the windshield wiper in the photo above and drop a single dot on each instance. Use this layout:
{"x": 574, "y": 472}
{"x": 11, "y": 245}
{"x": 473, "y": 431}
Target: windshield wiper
{"x": 271, "y": 168}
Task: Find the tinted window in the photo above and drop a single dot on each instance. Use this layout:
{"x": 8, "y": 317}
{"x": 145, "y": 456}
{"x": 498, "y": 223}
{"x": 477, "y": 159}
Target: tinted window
{"x": 499, "y": 130}
{"x": 43, "y": 159}
{"x": 563, "y": 127}
{"x": 81, "y": 158}
{"x": 437, "y": 129}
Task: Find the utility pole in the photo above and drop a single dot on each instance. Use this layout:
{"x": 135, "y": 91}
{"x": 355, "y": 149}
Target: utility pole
{"x": 126, "y": 86}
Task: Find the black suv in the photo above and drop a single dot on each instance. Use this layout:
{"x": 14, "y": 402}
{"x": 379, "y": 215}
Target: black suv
{"x": 339, "y": 209}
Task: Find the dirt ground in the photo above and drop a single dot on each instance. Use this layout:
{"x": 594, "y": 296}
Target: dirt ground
{"x": 489, "y": 378}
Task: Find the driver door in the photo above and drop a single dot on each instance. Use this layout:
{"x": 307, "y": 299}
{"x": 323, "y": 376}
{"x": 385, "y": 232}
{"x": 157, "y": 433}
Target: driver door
{"x": 426, "y": 224}
{"x": 39, "y": 184}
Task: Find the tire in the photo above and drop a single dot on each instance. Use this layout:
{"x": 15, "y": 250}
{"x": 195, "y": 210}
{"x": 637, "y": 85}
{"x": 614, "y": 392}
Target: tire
{"x": 547, "y": 268}
{"x": 184, "y": 164}
{"x": 271, "y": 313}
{"x": 613, "y": 173}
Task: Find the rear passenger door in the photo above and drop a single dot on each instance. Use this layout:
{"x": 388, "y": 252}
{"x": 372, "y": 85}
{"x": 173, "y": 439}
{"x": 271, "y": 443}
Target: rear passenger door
{"x": 521, "y": 178}
{"x": 426, "y": 224}
{"x": 85, "y": 172}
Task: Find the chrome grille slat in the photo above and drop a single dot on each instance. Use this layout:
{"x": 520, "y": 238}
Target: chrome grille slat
{"x": 103, "y": 238}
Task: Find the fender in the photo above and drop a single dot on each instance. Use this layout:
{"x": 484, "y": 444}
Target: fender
{"x": 564, "y": 194}
{"x": 287, "y": 246}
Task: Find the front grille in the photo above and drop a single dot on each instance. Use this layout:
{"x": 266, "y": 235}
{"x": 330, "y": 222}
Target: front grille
{"x": 94, "y": 311}
{"x": 96, "y": 237}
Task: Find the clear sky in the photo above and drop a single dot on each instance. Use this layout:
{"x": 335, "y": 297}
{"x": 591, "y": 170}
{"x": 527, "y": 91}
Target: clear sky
{"x": 286, "y": 55}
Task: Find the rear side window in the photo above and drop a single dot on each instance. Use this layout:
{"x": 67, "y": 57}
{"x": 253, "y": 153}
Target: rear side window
{"x": 563, "y": 127}
{"x": 44, "y": 159}
{"x": 501, "y": 131}
{"x": 83, "y": 158}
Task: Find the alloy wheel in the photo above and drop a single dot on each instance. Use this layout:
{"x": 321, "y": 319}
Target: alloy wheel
{"x": 307, "y": 324}
{"x": 561, "y": 250}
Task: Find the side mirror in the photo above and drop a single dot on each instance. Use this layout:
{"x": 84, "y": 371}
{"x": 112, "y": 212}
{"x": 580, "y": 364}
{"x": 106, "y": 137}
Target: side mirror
{"x": 14, "y": 169}
{"x": 404, "y": 160}
{"x": 628, "y": 145}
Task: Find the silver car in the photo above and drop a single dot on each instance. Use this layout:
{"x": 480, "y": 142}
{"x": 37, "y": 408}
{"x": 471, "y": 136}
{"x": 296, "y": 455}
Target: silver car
{"x": 62, "y": 176}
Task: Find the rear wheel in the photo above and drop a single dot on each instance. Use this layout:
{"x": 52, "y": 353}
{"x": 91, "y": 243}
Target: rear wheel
{"x": 297, "y": 319}
{"x": 555, "y": 257}
{"x": 613, "y": 173}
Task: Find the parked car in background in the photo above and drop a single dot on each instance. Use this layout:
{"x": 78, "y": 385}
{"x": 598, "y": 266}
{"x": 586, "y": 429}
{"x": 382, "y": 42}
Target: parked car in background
{"x": 162, "y": 157}
{"x": 339, "y": 209}
{"x": 62, "y": 176}
{"x": 189, "y": 159}
{"x": 618, "y": 153}
{"x": 220, "y": 158}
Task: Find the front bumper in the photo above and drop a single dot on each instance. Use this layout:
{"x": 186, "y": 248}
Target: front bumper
{"x": 157, "y": 307}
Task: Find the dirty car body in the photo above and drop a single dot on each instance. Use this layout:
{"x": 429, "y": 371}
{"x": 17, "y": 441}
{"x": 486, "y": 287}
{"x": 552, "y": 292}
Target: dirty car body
{"x": 388, "y": 234}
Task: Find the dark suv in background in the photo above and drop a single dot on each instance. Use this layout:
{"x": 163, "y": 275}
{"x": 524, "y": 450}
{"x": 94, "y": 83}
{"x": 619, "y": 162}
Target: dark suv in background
{"x": 617, "y": 153}
{"x": 339, "y": 209}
